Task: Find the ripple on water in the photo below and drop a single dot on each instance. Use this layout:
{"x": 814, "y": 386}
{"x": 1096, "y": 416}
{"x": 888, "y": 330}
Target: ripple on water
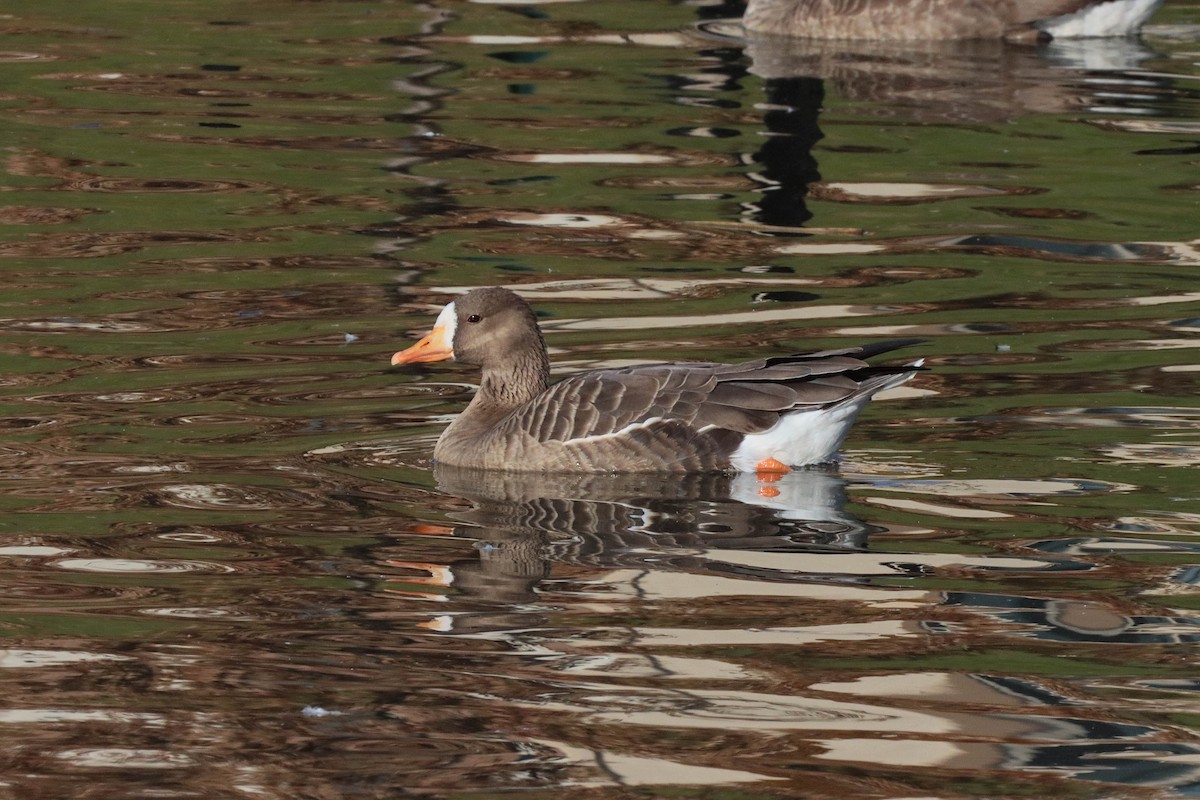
{"x": 38, "y": 587}
{"x": 28, "y": 658}
{"x": 68, "y": 325}
{"x": 226, "y": 614}
{"x": 124, "y": 758}
{"x": 1077, "y": 621}
{"x": 98, "y": 245}
{"x": 117, "y": 398}
{"x": 32, "y": 550}
{"x": 223, "y": 263}
{"x": 156, "y": 185}
{"x": 230, "y": 496}
{"x": 58, "y": 715}
{"x": 1057, "y": 250}
{"x": 127, "y": 566}
{"x": 584, "y": 157}
{"x": 1171, "y": 417}
{"x": 1175, "y": 454}
{"x": 17, "y": 56}
{"x": 413, "y": 450}
{"x": 1010, "y": 488}
{"x": 42, "y": 215}
{"x": 1093, "y": 546}
{"x": 224, "y": 359}
{"x": 951, "y": 688}
{"x": 908, "y": 193}
{"x": 603, "y": 767}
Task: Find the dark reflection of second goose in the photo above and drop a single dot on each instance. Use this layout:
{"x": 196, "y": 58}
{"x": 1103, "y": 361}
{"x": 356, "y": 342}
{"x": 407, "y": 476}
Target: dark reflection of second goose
{"x": 952, "y": 83}
{"x": 966, "y": 81}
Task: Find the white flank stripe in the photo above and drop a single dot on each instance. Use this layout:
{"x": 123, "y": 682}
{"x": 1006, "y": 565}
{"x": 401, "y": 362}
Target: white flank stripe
{"x": 596, "y": 437}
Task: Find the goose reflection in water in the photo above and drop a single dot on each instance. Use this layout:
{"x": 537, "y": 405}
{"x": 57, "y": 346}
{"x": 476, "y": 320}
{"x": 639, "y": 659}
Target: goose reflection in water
{"x": 644, "y": 527}
{"x": 967, "y": 83}
{"x": 641, "y": 522}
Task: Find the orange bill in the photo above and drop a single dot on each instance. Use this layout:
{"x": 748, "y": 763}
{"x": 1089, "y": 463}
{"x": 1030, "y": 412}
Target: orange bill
{"x": 435, "y": 346}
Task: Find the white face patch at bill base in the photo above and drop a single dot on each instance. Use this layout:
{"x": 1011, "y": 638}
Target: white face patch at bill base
{"x": 447, "y": 320}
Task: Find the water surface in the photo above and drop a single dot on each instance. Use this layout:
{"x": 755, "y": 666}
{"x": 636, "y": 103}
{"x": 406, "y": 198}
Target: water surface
{"x": 230, "y": 569}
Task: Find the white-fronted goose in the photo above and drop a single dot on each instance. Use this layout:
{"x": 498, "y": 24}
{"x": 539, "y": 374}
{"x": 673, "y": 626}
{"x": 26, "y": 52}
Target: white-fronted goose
{"x": 763, "y": 416}
{"x": 1018, "y": 20}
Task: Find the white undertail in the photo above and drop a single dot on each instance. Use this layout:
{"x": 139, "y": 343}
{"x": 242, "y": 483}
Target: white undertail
{"x": 1107, "y": 18}
{"x": 806, "y": 437}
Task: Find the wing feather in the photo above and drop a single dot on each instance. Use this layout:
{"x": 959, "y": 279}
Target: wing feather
{"x": 749, "y": 397}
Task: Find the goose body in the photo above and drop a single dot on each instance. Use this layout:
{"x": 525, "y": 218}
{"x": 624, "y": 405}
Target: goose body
{"x": 765, "y": 415}
{"x": 1027, "y": 20}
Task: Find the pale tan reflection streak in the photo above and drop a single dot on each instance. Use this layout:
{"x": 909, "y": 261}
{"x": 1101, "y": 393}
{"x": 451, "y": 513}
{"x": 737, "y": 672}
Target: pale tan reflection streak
{"x": 662, "y": 585}
{"x": 863, "y": 564}
{"x": 19, "y": 658}
{"x": 1152, "y": 344}
{"x": 32, "y": 551}
{"x": 761, "y": 712}
{"x": 713, "y": 709}
{"x": 544, "y": 642}
{"x": 125, "y": 758}
{"x": 709, "y": 637}
{"x": 612, "y": 664}
{"x": 1178, "y": 523}
{"x": 135, "y": 565}
{"x": 630, "y": 288}
{"x": 859, "y": 191}
{"x": 935, "y": 508}
{"x": 588, "y": 158}
{"x": 933, "y": 687}
{"x": 1162, "y": 455}
{"x": 914, "y": 753}
{"x": 1017, "y": 489}
{"x": 829, "y": 248}
{"x": 1182, "y": 253}
{"x": 659, "y": 289}
{"x": 731, "y": 318}
{"x": 23, "y": 716}
{"x": 1163, "y": 299}
{"x": 633, "y": 665}
{"x": 975, "y": 756}
{"x": 606, "y": 768}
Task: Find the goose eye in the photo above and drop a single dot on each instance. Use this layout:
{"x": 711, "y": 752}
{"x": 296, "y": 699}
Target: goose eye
{"x": 474, "y": 318}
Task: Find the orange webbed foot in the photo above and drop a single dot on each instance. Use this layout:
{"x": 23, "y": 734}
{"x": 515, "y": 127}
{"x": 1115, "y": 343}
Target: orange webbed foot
{"x": 769, "y": 470}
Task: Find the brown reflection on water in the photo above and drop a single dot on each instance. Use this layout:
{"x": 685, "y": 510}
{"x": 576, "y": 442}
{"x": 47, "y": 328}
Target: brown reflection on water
{"x": 26, "y": 215}
{"x": 388, "y": 146}
{"x": 504, "y": 632}
{"x": 552, "y": 558}
{"x": 96, "y": 245}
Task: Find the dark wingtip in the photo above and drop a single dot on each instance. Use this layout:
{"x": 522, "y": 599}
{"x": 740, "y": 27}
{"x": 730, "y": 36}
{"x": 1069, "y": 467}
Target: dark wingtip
{"x": 874, "y": 349}
{"x": 862, "y": 352}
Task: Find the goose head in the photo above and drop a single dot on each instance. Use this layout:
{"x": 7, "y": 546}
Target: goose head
{"x": 486, "y": 327}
